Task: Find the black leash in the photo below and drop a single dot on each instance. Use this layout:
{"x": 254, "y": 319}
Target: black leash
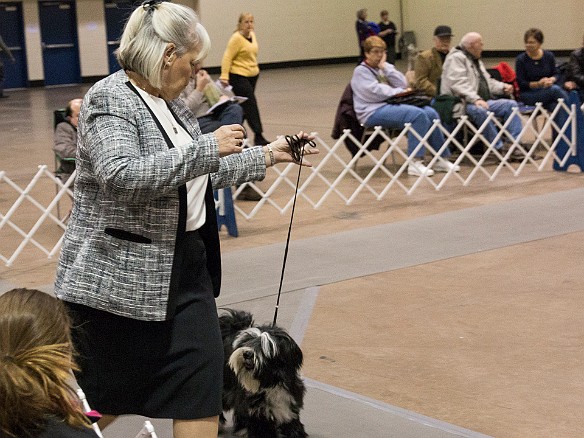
{"x": 297, "y": 151}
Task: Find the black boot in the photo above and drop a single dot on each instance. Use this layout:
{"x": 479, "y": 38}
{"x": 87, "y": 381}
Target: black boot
{"x": 260, "y": 140}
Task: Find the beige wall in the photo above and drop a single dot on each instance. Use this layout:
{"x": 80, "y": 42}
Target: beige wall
{"x": 32, "y": 39}
{"x": 501, "y": 22}
{"x": 297, "y": 30}
{"x": 92, "y": 38}
{"x": 292, "y": 30}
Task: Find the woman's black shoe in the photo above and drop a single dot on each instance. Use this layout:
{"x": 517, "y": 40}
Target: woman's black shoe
{"x": 260, "y": 140}
{"x": 249, "y": 194}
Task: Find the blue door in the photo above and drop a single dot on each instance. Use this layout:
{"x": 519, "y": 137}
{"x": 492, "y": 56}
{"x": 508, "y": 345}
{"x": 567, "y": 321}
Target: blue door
{"x": 59, "y": 42}
{"x": 12, "y": 32}
{"x": 116, "y": 15}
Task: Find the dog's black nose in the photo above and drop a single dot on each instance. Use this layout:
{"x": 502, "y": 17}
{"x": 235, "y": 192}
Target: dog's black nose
{"x": 248, "y": 355}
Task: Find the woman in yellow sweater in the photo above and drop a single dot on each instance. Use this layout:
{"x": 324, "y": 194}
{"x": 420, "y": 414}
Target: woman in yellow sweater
{"x": 240, "y": 69}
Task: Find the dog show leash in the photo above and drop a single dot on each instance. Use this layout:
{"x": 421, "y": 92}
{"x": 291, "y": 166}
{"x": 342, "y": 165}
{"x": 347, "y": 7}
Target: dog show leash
{"x": 297, "y": 151}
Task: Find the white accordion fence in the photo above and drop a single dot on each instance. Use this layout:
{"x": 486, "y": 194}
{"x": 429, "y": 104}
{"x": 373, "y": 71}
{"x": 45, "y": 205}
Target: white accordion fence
{"x": 335, "y": 175}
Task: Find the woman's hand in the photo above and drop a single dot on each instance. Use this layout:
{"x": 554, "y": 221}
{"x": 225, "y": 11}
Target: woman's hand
{"x": 230, "y": 139}
{"x": 547, "y": 82}
{"x": 203, "y": 79}
{"x": 282, "y": 152}
{"x": 224, "y": 83}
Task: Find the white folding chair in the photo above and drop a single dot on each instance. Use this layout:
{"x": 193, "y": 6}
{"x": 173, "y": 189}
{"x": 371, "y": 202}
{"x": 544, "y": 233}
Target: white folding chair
{"x": 390, "y": 132}
{"x": 147, "y": 430}
{"x": 86, "y": 408}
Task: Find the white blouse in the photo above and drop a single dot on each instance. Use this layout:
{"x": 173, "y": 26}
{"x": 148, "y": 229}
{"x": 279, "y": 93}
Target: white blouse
{"x": 196, "y": 210}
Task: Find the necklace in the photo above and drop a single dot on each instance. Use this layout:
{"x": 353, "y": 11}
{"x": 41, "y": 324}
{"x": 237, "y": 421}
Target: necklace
{"x": 164, "y": 111}
{"x": 171, "y": 120}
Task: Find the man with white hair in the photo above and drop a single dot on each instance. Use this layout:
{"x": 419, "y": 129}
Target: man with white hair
{"x": 464, "y": 75}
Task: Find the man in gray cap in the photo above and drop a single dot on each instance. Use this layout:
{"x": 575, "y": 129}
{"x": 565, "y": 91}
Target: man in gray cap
{"x": 428, "y": 66}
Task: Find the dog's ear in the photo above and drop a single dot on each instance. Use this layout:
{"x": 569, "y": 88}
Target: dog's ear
{"x": 298, "y": 356}
{"x": 294, "y": 352}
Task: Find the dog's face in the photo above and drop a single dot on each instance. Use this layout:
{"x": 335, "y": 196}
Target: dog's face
{"x": 264, "y": 357}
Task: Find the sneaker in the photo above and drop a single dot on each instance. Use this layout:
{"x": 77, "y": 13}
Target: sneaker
{"x": 417, "y": 168}
{"x": 516, "y": 155}
{"x": 446, "y": 166}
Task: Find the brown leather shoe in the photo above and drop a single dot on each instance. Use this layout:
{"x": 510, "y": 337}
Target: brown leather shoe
{"x": 249, "y": 194}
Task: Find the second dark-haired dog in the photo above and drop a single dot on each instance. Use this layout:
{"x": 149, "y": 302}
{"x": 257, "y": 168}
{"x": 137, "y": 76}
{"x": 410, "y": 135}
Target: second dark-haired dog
{"x": 262, "y": 383}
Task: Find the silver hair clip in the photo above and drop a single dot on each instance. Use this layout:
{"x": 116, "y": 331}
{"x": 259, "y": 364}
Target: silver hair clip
{"x": 150, "y": 5}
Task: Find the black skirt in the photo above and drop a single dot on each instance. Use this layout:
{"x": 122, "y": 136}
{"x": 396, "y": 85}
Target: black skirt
{"x": 158, "y": 369}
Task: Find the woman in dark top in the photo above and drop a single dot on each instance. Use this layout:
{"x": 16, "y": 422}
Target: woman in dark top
{"x": 36, "y": 359}
{"x": 387, "y": 32}
{"x": 575, "y": 72}
{"x": 537, "y": 73}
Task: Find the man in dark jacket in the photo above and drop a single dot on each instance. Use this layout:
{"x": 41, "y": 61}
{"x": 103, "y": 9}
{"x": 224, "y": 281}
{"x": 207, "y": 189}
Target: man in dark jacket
{"x": 575, "y": 72}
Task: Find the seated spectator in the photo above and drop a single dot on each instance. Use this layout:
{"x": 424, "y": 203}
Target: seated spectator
{"x": 36, "y": 360}
{"x": 373, "y": 82}
{"x": 194, "y": 96}
{"x": 537, "y": 73}
{"x": 464, "y": 75}
{"x": 231, "y": 113}
{"x": 575, "y": 72}
{"x": 65, "y": 139}
{"x": 428, "y": 65}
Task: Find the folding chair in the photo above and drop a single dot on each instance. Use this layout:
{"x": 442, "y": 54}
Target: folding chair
{"x": 390, "y": 132}
{"x": 147, "y": 430}
{"x": 87, "y": 409}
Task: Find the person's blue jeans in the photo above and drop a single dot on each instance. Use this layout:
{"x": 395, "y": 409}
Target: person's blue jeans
{"x": 549, "y": 98}
{"x": 421, "y": 118}
{"x": 502, "y": 108}
{"x": 232, "y": 114}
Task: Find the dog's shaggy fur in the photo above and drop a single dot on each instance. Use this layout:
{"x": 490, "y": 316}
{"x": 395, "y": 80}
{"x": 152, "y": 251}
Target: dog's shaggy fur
{"x": 262, "y": 383}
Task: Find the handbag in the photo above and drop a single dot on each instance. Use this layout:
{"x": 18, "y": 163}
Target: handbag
{"x": 412, "y": 97}
{"x": 409, "y": 97}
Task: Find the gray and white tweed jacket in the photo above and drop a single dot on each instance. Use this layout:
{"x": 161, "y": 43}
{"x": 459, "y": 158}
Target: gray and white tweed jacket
{"x": 128, "y": 180}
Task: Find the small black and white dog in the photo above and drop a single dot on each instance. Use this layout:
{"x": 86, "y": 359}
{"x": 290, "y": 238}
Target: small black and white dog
{"x": 262, "y": 382}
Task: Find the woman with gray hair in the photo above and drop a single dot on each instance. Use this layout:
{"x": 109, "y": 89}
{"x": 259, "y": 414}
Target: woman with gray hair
{"x": 364, "y": 30}
{"x": 140, "y": 265}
